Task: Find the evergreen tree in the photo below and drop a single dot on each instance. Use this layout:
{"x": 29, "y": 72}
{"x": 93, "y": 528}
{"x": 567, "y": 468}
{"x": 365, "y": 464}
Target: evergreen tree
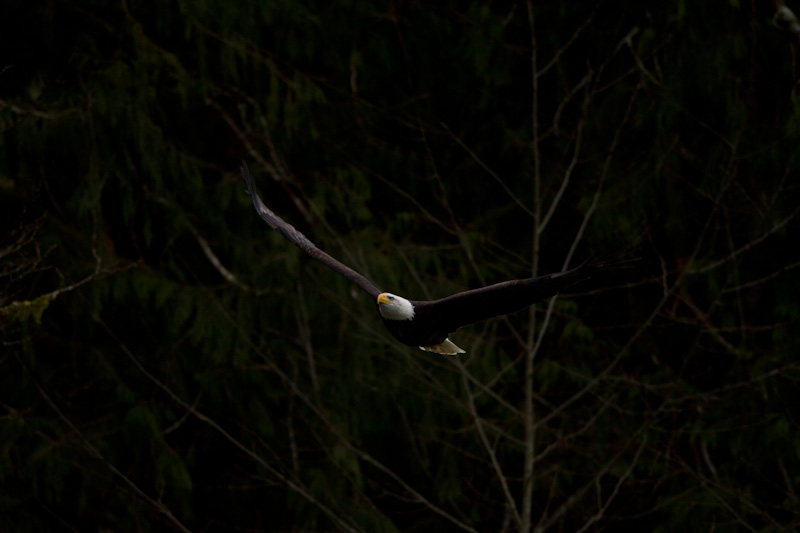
{"x": 171, "y": 363}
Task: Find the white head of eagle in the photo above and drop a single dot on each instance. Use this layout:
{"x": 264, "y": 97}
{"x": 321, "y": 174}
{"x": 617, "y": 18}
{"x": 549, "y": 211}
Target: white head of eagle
{"x": 393, "y": 307}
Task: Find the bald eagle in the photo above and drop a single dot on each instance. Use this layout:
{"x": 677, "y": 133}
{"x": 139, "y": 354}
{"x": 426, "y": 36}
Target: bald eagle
{"x": 427, "y": 324}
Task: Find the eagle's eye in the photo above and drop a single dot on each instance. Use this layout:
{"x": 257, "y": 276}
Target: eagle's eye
{"x": 391, "y": 297}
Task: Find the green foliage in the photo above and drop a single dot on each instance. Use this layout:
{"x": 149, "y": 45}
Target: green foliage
{"x": 242, "y": 385}
{"x": 25, "y": 310}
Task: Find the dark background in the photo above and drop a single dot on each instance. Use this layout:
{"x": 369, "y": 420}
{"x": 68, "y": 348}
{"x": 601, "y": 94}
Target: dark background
{"x": 171, "y": 363}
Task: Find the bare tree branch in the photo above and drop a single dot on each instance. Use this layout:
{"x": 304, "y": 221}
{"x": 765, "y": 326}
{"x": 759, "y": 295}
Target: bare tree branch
{"x": 94, "y": 452}
{"x": 489, "y": 449}
{"x": 293, "y": 484}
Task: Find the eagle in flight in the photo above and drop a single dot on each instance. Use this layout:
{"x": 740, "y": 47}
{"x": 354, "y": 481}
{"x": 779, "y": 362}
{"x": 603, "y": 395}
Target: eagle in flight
{"x": 428, "y": 324}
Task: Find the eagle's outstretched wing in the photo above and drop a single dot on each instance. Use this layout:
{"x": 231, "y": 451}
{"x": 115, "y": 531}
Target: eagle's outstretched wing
{"x": 302, "y": 242}
{"x": 480, "y": 304}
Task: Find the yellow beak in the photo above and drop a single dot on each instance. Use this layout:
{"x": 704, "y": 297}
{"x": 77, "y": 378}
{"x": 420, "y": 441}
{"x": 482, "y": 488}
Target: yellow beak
{"x": 383, "y": 299}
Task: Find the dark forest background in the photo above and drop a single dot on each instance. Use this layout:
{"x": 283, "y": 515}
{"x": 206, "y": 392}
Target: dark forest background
{"x": 170, "y": 363}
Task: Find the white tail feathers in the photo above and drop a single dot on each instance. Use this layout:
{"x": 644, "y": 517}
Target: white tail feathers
{"x": 447, "y": 347}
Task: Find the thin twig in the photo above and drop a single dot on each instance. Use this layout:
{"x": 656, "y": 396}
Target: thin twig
{"x": 160, "y": 507}
{"x": 292, "y": 484}
{"x": 489, "y": 449}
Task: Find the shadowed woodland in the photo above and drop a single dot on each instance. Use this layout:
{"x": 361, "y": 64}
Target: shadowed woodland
{"x": 170, "y": 363}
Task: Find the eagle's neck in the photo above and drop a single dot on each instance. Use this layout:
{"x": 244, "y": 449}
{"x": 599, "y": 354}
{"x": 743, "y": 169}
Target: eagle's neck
{"x": 397, "y": 309}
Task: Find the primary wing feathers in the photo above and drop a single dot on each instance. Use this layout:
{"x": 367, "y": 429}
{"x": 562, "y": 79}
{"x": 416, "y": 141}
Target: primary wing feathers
{"x": 302, "y": 242}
